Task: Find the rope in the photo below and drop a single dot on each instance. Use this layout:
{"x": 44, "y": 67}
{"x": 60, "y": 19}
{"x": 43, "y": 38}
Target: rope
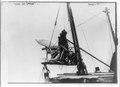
{"x": 54, "y": 26}
{"x": 94, "y": 16}
{"x": 55, "y": 43}
{"x": 88, "y": 11}
{"x": 74, "y": 69}
{"x": 87, "y": 43}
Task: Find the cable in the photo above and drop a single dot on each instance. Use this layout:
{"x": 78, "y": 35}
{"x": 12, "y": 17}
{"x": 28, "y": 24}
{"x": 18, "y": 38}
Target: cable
{"x": 54, "y": 26}
{"x": 74, "y": 69}
{"x": 88, "y": 11}
{"x": 87, "y": 43}
{"x": 55, "y": 43}
{"x": 94, "y": 16}
{"x": 89, "y": 19}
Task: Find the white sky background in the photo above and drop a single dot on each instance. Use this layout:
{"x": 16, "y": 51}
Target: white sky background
{"x": 22, "y": 24}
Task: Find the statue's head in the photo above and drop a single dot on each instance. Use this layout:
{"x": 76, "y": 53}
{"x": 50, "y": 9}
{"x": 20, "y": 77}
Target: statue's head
{"x": 64, "y": 32}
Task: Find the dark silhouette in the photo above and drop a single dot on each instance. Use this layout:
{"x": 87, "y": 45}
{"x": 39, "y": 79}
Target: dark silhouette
{"x": 46, "y": 73}
{"x": 113, "y": 66}
{"x": 81, "y": 69}
{"x": 63, "y": 40}
{"x": 97, "y": 69}
{"x": 63, "y": 46}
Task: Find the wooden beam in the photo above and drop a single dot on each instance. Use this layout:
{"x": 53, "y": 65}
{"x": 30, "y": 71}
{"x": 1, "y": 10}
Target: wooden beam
{"x": 91, "y": 55}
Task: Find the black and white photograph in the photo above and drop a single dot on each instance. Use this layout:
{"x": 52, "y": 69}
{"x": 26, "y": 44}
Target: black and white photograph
{"x": 59, "y": 42}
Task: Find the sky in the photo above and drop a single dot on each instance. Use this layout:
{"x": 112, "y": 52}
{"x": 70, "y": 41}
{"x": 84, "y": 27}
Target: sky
{"x": 22, "y": 23}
